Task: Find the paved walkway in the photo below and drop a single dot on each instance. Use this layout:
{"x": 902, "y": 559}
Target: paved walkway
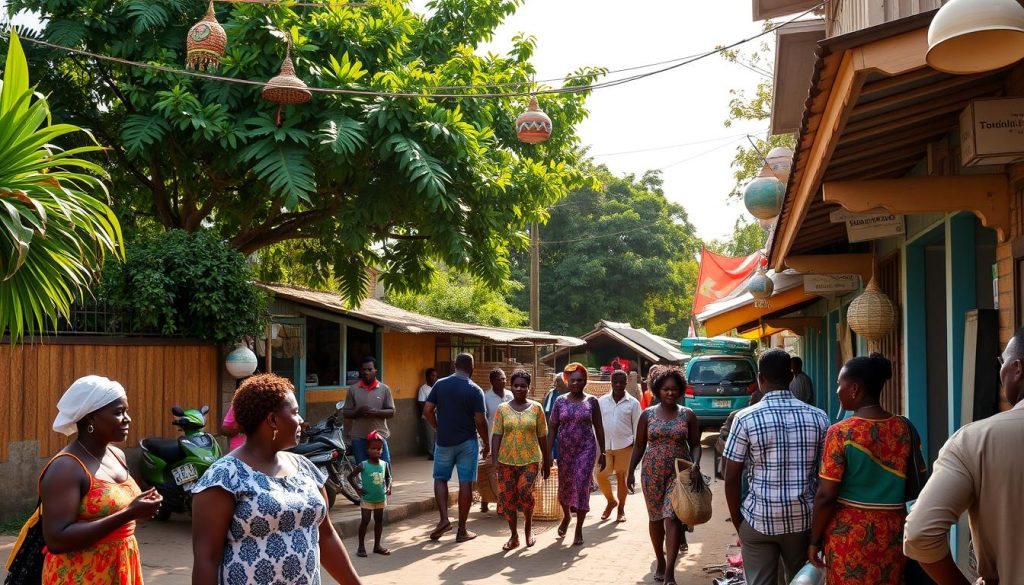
{"x": 613, "y": 553}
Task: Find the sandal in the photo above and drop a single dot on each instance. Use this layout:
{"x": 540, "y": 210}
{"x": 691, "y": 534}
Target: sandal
{"x": 361, "y": 553}
{"x": 608, "y": 511}
{"x": 530, "y": 541}
{"x": 563, "y": 528}
{"x": 511, "y": 544}
{"x": 440, "y": 530}
{"x": 380, "y": 550}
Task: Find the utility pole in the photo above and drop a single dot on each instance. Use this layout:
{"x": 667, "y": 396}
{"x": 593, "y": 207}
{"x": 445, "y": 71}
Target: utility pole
{"x": 535, "y": 277}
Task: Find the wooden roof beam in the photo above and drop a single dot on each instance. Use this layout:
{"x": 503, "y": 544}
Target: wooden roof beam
{"x": 987, "y": 196}
{"x": 860, "y": 264}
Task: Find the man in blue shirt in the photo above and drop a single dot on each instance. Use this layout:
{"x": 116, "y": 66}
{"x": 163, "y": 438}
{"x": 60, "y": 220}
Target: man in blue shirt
{"x": 455, "y": 408}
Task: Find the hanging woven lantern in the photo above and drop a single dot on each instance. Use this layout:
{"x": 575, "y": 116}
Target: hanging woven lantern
{"x": 286, "y": 87}
{"x": 763, "y": 196}
{"x": 761, "y": 287}
{"x": 872, "y": 315}
{"x": 206, "y": 42}
{"x": 533, "y": 126}
{"x": 780, "y": 161}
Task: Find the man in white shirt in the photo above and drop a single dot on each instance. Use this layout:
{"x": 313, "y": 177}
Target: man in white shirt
{"x": 421, "y": 398}
{"x": 620, "y": 413}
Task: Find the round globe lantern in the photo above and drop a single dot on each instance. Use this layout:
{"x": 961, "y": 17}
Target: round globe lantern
{"x": 761, "y": 287}
{"x": 763, "y": 196}
{"x": 780, "y": 161}
{"x": 241, "y": 362}
{"x": 533, "y": 126}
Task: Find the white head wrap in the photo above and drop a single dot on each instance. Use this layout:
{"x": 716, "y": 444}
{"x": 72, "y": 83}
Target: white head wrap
{"x": 88, "y": 394}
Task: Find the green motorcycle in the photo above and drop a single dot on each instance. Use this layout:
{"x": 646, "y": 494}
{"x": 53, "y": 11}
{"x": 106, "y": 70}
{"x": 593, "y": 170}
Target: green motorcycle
{"x": 173, "y": 466}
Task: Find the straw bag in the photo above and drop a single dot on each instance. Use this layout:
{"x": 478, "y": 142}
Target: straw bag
{"x": 486, "y": 481}
{"x": 691, "y": 507}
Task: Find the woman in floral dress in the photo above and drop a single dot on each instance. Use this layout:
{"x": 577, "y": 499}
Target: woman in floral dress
{"x": 666, "y": 432}
{"x": 519, "y": 452}
{"x": 859, "y": 509}
{"x": 264, "y": 510}
{"x": 91, "y": 501}
{"x": 576, "y": 423}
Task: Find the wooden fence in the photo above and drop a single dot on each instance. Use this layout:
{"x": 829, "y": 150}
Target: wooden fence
{"x": 155, "y": 375}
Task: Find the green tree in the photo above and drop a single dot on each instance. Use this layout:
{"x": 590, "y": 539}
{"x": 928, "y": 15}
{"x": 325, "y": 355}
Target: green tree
{"x": 460, "y": 297}
{"x": 747, "y": 237}
{"x": 55, "y": 226}
{"x": 615, "y": 250}
{"x": 394, "y": 182}
{"x": 749, "y": 160}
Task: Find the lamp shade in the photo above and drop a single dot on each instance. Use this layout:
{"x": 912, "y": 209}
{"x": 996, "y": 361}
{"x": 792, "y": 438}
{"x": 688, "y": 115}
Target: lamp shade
{"x": 761, "y": 287}
{"x": 763, "y": 196}
{"x": 872, "y": 315}
{"x": 241, "y": 362}
{"x": 533, "y": 126}
{"x": 974, "y": 36}
{"x": 780, "y": 161}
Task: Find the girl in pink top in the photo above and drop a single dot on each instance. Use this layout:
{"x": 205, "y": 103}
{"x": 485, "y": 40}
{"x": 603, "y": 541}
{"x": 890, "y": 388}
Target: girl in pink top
{"x": 235, "y": 437}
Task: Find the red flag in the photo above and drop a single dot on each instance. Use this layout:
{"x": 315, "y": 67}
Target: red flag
{"x": 719, "y": 276}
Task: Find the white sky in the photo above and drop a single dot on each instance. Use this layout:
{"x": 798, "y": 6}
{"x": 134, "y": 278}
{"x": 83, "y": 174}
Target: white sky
{"x": 686, "y": 105}
{"x": 683, "y": 106}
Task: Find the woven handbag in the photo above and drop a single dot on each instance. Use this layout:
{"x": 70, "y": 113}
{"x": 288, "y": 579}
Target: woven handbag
{"x": 691, "y": 507}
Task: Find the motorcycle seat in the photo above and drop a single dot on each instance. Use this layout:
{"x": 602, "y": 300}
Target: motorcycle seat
{"x": 330, "y": 442}
{"x": 167, "y": 449}
{"x": 307, "y": 448}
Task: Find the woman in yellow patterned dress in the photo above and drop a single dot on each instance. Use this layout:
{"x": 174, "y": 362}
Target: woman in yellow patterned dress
{"x": 519, "y": 452}
{"x": 90, "y": 503}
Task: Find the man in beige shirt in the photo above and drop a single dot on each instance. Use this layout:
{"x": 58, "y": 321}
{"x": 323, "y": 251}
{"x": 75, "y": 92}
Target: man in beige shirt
{"x": 980, "y": 470}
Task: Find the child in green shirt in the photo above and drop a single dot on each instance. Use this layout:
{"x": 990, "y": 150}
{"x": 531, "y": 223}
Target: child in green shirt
{"x": 375, "y": 474}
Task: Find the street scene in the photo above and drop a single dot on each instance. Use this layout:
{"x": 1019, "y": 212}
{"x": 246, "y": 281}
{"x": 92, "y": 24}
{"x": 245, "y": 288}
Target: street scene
{"x": 510, "y": 291}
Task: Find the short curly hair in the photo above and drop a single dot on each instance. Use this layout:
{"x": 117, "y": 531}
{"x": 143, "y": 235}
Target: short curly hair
{"x": 672, "y": 372}
{"x": 520, "y": 373}
{"x": 257, "y": 397}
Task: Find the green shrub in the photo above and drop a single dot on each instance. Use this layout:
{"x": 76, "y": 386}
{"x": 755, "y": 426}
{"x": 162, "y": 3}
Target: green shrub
{"x": 189, "y": 285}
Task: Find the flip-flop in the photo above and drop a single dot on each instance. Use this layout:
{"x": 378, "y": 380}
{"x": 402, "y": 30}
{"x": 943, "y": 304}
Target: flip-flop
{"x": 465, "y": 537}
{"x": 530, "y": 541}
{"x": 562, "y": 530}
{"x": 361, "y": 553}
{"x": 659, "y": 578}
{"x": 621, "y": 518}
{"x": 381, "y": 551}
{"x": 608, "y": 512}
{"x": 440, "y": 530}
{"x": 578, "y": 541}
{"x": 511, "y": 544}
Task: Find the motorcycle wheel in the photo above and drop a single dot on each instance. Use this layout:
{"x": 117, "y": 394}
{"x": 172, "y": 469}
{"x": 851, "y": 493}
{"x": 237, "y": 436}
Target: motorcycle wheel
{"x": 332, "y": 492}
{"x": 346, "y": 488}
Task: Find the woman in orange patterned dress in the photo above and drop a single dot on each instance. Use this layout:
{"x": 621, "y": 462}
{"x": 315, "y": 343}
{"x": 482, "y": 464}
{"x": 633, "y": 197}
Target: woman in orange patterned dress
{"x": 859, "y": 509}
{"x": 90, "y": 503}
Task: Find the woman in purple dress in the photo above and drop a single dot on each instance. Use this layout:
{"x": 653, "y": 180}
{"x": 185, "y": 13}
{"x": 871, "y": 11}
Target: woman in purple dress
{"x": 576, "y": 423}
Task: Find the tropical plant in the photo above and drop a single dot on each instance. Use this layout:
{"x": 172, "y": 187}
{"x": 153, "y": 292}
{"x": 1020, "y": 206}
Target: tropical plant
{"x": 401, "y": 183}
{"x": 460, "y": 297}
{"x": 55, "y": 228}
{"x": 184, "y": 284}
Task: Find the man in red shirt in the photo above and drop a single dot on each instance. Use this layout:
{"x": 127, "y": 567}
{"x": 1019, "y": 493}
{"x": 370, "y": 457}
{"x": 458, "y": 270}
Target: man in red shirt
{"x": 369, "y": 405}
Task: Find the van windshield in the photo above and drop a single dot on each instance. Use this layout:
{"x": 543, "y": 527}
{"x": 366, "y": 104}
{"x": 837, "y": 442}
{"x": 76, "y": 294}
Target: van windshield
{"x": 722, "y": 372}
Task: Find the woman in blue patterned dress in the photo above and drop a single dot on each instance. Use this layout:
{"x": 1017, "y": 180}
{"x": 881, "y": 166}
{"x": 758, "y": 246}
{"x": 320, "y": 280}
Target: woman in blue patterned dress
{"x": 264, "y": 511}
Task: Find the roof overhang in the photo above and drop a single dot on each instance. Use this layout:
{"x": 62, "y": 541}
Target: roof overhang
{"x": 765, "y": 9}
{"x": 741, "y": 315}
{"x": 796, "y": 44}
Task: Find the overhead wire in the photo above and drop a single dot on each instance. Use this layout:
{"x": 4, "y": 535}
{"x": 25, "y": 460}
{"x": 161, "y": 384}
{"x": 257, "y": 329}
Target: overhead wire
{"x": 425, "y": 94}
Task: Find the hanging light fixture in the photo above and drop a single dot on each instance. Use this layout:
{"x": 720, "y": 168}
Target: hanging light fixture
{"x": 763, "y": 196}
{"x": 241, "y": 362}
{"x": 533, "y": 126}
{"x": 974, "y": 36}
{"x": 768, "y": 224}
{"x": 206, "y": 42}
{"x": 286, "y": 87}
{"x": 872, "y": 315}
{"x": 761, "y": 287}
{"x": 780, "y": 161}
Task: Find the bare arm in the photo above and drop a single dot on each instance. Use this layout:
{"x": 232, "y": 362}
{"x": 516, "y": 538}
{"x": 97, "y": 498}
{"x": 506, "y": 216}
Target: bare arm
{"x": 639, "y": 446}
{"x": 495, "y": 448}
{"x": 352, "y": 478}
{"x": 430, "y": 413}
{"x": 553, "y": 425}
{"x": 481, "y": 428}
{"x": 946, "y": 572}
{"x": 693, "y": 436}
{"x": 216, "y": 506}
{"x": 333, "y": 555}
{"x": 598, "y": 421}
{"x": 824, "y": 507}
{"x": 733, "y": 473}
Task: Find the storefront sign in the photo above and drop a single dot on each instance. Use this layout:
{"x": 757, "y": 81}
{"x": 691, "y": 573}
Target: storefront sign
{"x": 992, "y": 132}
{"x": 861, "y": 227}
{"x": 830, "y": 283}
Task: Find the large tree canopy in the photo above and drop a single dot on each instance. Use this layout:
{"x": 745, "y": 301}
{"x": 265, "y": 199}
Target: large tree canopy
{"x": 617, "y": 250}
{"x": 399, "y": 183}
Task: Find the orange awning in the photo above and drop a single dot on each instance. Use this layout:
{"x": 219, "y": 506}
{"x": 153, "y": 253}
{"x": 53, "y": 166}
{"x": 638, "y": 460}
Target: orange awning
{"x": 747, "y": 312}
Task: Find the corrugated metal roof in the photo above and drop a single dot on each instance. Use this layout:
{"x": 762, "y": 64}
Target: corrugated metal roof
{"x": 652, "y": 347}
{"x": 391, "y": 317}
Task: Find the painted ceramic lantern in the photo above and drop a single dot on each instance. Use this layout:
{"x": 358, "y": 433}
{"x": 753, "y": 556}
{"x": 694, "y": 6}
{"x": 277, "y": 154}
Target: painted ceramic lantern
{"x": 780, "y": 161}
{"x": 763, "y": 196}
{"x": 533, "y": 126}
{"x": 761, "y": 288}
{"x": 241, "y": 362}
{"x": 206, "y": 42}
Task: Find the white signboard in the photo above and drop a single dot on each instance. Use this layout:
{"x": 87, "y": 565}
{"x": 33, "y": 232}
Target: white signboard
{"x": 830, "y": 283}
{"x": 861, "y": 227}
{"x": 992, "y": 132}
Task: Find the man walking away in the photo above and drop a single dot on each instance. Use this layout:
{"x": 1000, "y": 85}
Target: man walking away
{"x": 493, "y": 398}
{"x": 620, "y": 413}
{"x": 777, "y": 443}
{"x": 980, "y": 471}
{"x": 455, "y": 408}
{"x": 368, "y": 405}
{"x": 801, "y": 386}
{"x": 421, "y": 400}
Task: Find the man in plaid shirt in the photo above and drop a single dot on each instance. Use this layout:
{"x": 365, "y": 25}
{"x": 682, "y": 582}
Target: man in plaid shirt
{"x": 777, "y": 443}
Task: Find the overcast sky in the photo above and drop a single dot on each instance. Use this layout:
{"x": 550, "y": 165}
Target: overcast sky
{"x": 685, "y": 106}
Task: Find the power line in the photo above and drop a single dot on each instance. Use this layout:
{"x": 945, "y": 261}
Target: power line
{"x": 706, "y": 152}
{"x": 671, "y": 146}
{"x": 425, "y": 94}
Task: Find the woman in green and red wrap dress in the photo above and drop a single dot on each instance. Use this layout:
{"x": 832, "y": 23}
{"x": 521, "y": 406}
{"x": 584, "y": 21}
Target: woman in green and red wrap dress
{"x": 859, "y": 510}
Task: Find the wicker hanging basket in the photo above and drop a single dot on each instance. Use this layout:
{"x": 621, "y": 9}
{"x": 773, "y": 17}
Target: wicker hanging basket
{"x": 286, "y": 87}
{"x": 872, "y": 315}
{"x": 206, "y": 42}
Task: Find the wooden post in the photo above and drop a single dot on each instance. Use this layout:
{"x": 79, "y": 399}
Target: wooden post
{"x": 535, "y": 279}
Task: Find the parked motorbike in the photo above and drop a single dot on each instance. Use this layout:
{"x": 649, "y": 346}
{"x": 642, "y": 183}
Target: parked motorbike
{"x": 324, "y": 446}
{"x": 173, "y": 466}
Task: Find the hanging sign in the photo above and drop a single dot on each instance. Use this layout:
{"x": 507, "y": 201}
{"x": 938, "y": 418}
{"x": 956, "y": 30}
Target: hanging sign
{"x": 992, "y": 132}
{"x": 861, "y": 227}
{"x": 830, "y": 283}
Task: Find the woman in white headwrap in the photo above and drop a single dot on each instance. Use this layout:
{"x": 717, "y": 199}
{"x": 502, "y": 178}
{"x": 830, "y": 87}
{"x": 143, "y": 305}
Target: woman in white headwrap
{"x": 90, "y": 503}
